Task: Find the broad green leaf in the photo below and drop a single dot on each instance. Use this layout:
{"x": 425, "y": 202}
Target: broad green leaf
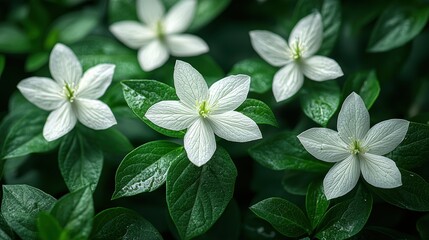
{"x": 297, "y": 182}
{"x": 36, "y": 60}
{"x": 49, "y": 228}
{"x": 283, "y": 215}
{"x": 13, "y": 39}
{"x": 197, "y": 196}
{"x": 258, "y": 111}
{"x": 2, "y": 63}
{"x": 412, "y": 195}
{"x": 6, "y": 232}
{"x": 397, "y": 25}
{"x": 145, "y": 168}
{"x": 117, "y": 144}
{"x": 320, "y": 100}
{"x": 365, "y": 84}
{"x": 119, "y": 10}
{"x": 316, "y": 203}
{"x": 20, "y": 207}
{"x": 75, "y": 212}
{"x": 423, "y": 227}
{"x": 206, "y": 11}
{"x": 284, "y": 151}
{"x": 122, "y": 223}
{"x": 142, "y": 94}
{"x": 261, "y": 73}
{"x": 80, "y": 161}
{"x": 346, "y": 218}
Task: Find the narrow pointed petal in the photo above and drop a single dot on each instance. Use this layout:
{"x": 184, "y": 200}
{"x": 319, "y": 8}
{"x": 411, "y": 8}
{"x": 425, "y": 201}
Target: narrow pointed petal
{"x": 385, "y": 136}
{"x": 42, "y": 92}
{"x": 380, "y": 171}
{"x": 94, "y": 113}
{"x": 353, "y": 119}
{"x": 342, "y": 177}
{"x": 185, "y": 45}
{"x": 308, "y": 34}
{"x": 190, "y": 85}
{"x": 153, "y": 56}
{"x": 171, "y": 115}
{"x": 199, "y": 142}
{"x": 235, "y": 127}
{"x": 64, "y": 65}
{"x": 132, "y": 34}
{"x": 287, "y": 81}
{"x": 59, "y": 122}
{"x": 271, "y": 47}
{"x": 150, "y": 11}
{"x": 228, "y": 93}
{"x": 324, "y": 144}
{"x": 319, "y": 68}
{"x": 95, "y": 81}
{"x": 180, "y": 16}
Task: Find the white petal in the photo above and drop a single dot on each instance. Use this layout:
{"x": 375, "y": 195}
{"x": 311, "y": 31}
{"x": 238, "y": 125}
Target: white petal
{"x": 95, "y": 81}
{"x": 307, "y": 34}
{"x": 132, "y": 34}
{"x": 171, "y": 115}
{"x": 271, "y": 47}
{"x": 150, "y": 11}
{"x": 353, "y": 119}
{"x": 153, "y": 56}
{"x": 185, "y": 45}
{"x": 234, "y": 126}
{"x": 342, "y": 177}
{"x": 324, "y": 144}
{"x": 287, "y": 81}
{"x": 64, "y": 66}
{"x": 42, "y": 92}
{"x": 385, "y": 136}
{"x": 59, "y": 122}
{"x": 94, "y": 113}
{"x": 190, "y": 85}
{"x": 380, "y": 171}
{"x": 321, "y": 68}
{"x": 180, "y": 16}
{"x": 199, "y": 142}
{"x": 228, "y": 93}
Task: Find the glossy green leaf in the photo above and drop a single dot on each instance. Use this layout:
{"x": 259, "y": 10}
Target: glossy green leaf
{"x": 36, "y": 61}
{"x": 118, "y": 143}
{"x": 423, "y": 227}
{"x": 316, "y": 203}
{"x": 297, "y": 182}
{"x": 49, "y": 228}
{"x": 258, "y": 111}
{"x": 261, "y": 73}
{"x": 206, "y": 11}
{"x": 13, "y": 39}
{"x": 197, "y": 196}
{"x": 20, "y": 207}
{"x": 6, "y": 232}
{"x": 365, "y": 84}
{"x": 283, "y": 215}
{"x": 120, "y": 10}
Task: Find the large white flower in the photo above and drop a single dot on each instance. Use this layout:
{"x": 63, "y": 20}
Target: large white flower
{"x": 72, "y": 96}
{"x": 356, "y": 148}
{"x": 160, "y": 34}
{"x": 205, "y": 112}
{"x": 296, "y": 58}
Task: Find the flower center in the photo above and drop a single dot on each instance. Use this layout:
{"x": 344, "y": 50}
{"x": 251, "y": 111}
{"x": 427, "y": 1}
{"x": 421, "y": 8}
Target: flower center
{"x": 70, "y": 92}
{"x": 356, "y": 147}
{"x": 296, "y": 51}
{"x": 203, "y": 110}
{"x": 160, "y": 30}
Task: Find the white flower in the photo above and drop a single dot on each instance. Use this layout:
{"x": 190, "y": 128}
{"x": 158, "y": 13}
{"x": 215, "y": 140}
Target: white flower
{"x": 160, "y": 35}
{"x": 72, "y": 96}
{"x": 296, "y": 58}
{"x": 205, "y": 112}
{"x": 355, "y": 148}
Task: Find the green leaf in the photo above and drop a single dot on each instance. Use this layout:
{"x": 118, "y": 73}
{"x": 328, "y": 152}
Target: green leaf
{"x": 283, "y": 215}
{"x": 74, "y": 213}
{"x": 13, "y": 39}
{"x": 320, "y": 100}
{"x": 261, "y": 74}
{"x": 117, "y": 144}
{"x": 197, "y": 196}
{"x": 6, "y": 232}
{"x": 80, "y": 162}
{"x": 365, "y": 84}
{"x": 120, "y": 10}
{"x": 2, "y": 63}
{"x": 413, "y": 151}
{"x": 347, "y": 218}
{"x": 316, "y": 203}
{"x": 20, "y": 207}
{"x": 121, "y": 223}
{"x": 49, "y": 228}
{"x": 412, "y": 195}
{"x": 206, "y": 11}
{"x": 397, "y": 25}
{"x": 142, "y": 94}
{"x": 258, "y": 111}
{"x": 145, "y": 168}
{"x": 35, "y": 61}
{"x": 423, "y": 227}
{"x": 284, "y": 151}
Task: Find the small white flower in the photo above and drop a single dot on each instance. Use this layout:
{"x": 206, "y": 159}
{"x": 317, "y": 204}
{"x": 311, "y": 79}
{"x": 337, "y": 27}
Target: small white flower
{"x": 296, "y": 58}
{"x": 355, "y": 148}
{"x": 205, "y": 112}
{"x": 160, "y": 35}
{"x": 72, "y": 96}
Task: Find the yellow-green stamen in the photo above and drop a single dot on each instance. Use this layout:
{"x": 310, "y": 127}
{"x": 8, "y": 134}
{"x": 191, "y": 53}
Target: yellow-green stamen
{"x": 203, "y": 110}
{"x": 70, "y": 92}
{"x": 160, "y": 30}
{"x": 356, "y": 148}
